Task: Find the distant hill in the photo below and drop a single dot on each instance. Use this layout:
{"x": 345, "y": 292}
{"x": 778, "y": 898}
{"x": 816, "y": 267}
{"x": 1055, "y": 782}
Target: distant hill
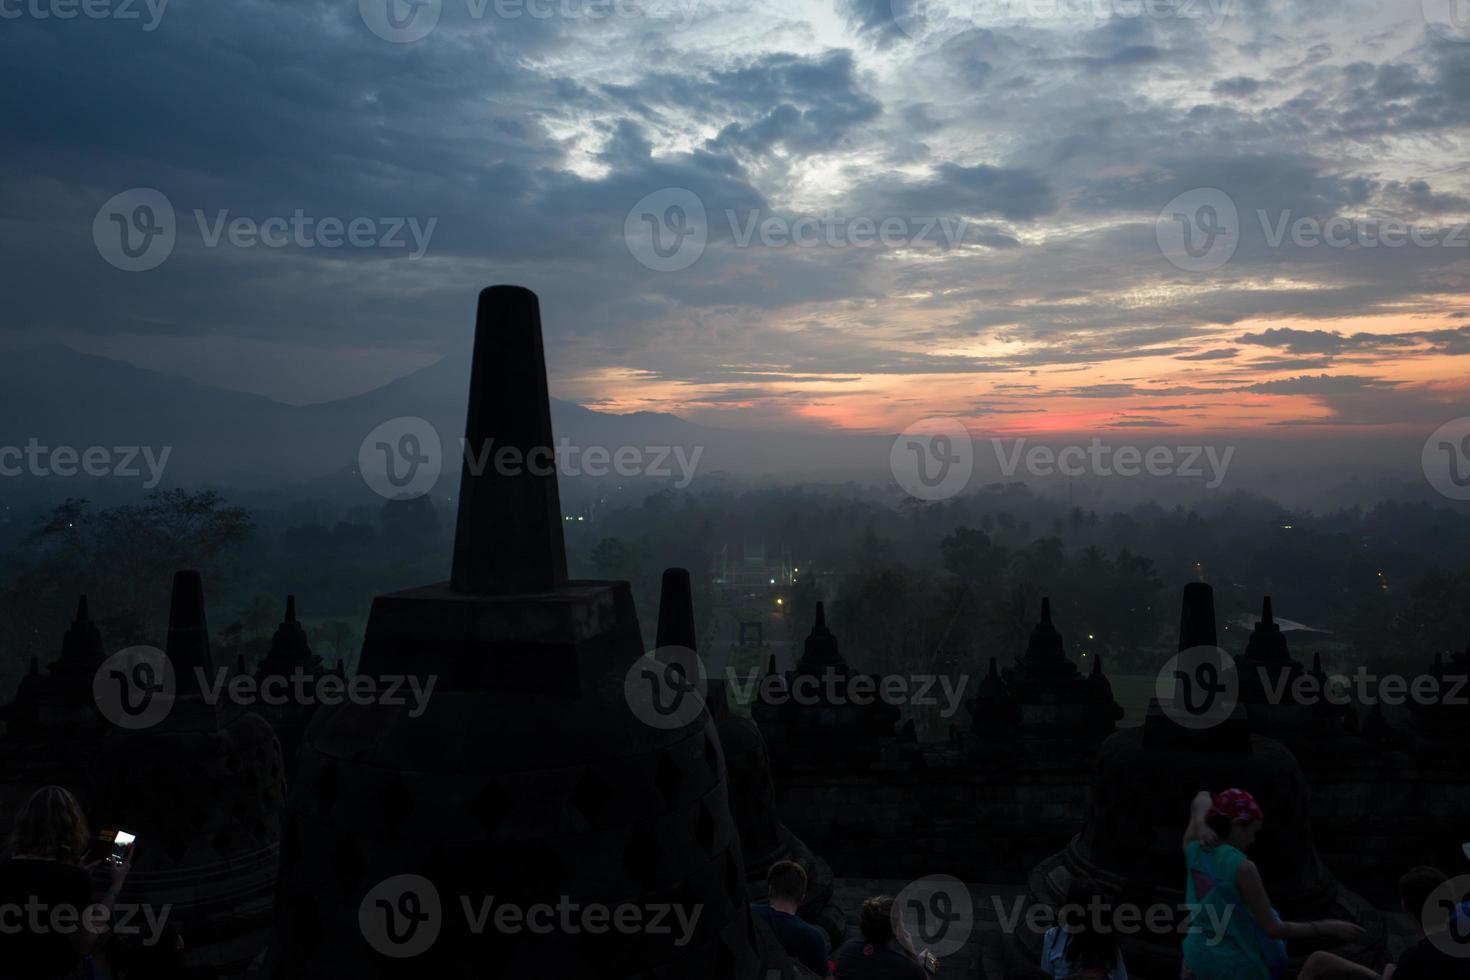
{"x": 61, "y": 397}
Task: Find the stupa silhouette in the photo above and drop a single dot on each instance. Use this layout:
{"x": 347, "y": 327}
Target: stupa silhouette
{"x": 529, "y": 777}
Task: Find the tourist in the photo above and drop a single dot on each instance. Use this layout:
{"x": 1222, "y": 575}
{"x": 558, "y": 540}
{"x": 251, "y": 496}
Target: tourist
{"x": 1079, "y": 949}
{"x": 885, "y": 951}
{"x": 1236, "y": 935}
{"x": 46, "y": 905}
{"x": 803, "y": 942}
{"x": 1443, "y": 948}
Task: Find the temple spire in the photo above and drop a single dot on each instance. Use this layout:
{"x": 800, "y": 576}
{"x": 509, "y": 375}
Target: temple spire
{"x": 821, "y": 616}
{"x": 1197, "y": 617}
{"x": 1266, "y": 616}
{"x": 187, "y": 645}
{"x": 1046, "y": 610}
{"x": 290, "y": 609}
{"x": 509, "y": 535}
{"x": 82, "y": 616}
{"x": 676, "y": 611}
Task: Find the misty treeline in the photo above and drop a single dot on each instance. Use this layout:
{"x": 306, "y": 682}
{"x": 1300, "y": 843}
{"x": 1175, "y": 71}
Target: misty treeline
{"x": 909, "y": 585}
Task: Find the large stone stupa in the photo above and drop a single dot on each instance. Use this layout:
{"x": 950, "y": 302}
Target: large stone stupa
{"x": 529, "y": 779}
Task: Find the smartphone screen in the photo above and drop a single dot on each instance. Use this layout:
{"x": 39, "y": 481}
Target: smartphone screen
{"x": 116, "y": 843}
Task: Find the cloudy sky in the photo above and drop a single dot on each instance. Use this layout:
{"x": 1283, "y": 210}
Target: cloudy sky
{"x": 1091, "y": 211}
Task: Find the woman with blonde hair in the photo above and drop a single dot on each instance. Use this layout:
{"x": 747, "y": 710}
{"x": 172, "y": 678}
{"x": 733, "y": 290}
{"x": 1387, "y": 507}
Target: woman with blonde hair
{"x": 48, "y": 919}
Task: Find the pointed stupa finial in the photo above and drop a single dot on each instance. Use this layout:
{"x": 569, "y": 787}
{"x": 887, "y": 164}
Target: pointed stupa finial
{"x": 819, "y": 653}
{"x": 509, "y": 536}
{"x": 994, "y": 669}
{"x": 1317, "y": 662}
{"x": 1046, "y": 610}
{"x": 290, "y": 609}
{"x": 187, "y": 645}
{"x": 1197, "y": 617}
{"x": 771, "y": 667}
{"x": 676, "y": 611}
{"x": 1267, "y": 618}
{"x": 81, "y": 646}
{"x": 1097, "y": 665}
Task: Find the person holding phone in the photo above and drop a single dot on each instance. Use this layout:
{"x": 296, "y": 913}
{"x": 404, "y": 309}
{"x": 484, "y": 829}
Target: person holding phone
{"x": 1251, "y": 944}
{"x": 48, "y": 919}
{"x": 885, "y": 951}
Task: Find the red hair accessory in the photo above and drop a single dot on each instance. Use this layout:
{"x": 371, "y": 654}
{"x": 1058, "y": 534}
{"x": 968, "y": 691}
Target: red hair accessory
{"x": 1237, "y": 804}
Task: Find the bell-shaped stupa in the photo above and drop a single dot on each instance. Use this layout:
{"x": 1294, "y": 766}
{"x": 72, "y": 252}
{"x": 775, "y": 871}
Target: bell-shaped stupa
{"x": 534, "y": 776}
